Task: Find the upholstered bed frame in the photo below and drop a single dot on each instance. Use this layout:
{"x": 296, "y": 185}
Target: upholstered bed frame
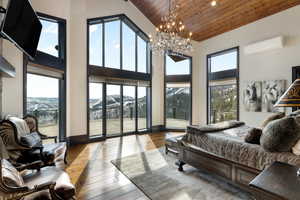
{"x": 236, "y": 173}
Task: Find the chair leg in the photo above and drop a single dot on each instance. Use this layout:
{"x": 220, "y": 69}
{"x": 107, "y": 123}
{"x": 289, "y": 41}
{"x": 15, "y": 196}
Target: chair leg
{"x": 180, "y": 165}
{"x": 65, "y": 158}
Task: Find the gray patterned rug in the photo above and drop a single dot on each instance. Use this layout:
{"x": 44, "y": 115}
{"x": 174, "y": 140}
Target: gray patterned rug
{"x": 157, "y": 176}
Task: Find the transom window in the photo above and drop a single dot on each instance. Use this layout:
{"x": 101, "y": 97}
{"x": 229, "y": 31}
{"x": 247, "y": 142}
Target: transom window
{"x": 118, "y": 44}
{"x": 49, "y": 37}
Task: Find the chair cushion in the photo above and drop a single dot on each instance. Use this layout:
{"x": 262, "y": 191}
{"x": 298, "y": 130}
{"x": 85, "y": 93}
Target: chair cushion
{"x": 11, "y": 177}
{"x": 31, "y": 140}
{"x": 64, "y": 188}
{"x": 52, "y": 153}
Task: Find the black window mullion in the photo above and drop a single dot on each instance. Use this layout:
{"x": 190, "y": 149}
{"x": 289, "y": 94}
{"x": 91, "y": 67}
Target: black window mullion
{"x": 103, "y": 44}
{"x": 121, "y": 45}
{"x": 136, "y": 109}
{"x": 104, "y": 109}
{"x": 136, "y": 52}
{"x": 121, "y": 107}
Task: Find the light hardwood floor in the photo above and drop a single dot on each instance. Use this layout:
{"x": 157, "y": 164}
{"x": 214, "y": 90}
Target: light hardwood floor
{"x": 94, "y": 175}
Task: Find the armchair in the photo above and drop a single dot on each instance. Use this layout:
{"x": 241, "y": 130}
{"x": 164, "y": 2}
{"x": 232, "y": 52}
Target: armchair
{"x": 22, "y": 153}
{"x": 50, "y": 183}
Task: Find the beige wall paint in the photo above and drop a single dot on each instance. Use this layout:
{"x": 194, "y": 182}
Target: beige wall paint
{"x": 269, "y": 65}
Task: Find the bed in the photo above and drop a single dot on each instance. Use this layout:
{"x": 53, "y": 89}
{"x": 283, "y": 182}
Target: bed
{"x": 226, "y": 154}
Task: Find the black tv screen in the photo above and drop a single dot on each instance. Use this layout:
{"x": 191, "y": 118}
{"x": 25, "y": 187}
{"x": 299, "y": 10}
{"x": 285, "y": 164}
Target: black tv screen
{"x": 22, "y": 26}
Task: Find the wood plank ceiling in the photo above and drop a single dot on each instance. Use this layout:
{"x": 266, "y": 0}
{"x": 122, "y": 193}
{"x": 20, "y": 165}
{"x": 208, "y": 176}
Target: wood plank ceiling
{"x": 206, "y": 21}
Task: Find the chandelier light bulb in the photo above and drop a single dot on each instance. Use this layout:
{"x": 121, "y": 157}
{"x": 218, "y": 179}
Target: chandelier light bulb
{"x": 213, "y": 3}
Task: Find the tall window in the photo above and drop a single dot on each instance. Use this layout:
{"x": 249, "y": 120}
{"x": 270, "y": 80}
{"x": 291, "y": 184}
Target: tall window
{"x": 118, "y": 44}
{"x": 177, "y": 91}
{"x": 223, "y": 73}
{"x": 44, "y": 79}
{"x": 43, "y": 102}
{"x": 119, "y": 62}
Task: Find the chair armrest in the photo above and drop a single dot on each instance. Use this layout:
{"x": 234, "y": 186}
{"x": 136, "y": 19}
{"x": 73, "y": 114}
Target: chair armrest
{"x": 37, "y": 188}
{"x": 45, "y": 186}
{"x": 44, "y": 137}
{"x": 34, "y": 165}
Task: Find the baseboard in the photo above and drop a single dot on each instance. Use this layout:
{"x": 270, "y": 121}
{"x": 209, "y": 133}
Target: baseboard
{"x": 78, "y": 139}
{"x": 158, "y": 128}
{"x": 84, "y": 139}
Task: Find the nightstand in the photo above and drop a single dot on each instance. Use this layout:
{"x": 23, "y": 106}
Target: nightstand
{"x": 278, "y": 182}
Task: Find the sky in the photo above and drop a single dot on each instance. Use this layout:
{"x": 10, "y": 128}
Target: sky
{"x": 49, "y": 38}
{"x": 41, "y": 86}
{"x": 224, "y": 62}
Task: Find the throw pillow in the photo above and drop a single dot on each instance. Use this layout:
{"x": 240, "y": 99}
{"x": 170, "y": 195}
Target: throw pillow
{"x": 296, "y": 148}
{"x": 295, "y": 113}
{"x": 10, "y": 176}
{"x": 31, "y": 140}
{"x": 253, "y": 136}
{"x": 280, "y": 135}
{"x": 273, "y": 117}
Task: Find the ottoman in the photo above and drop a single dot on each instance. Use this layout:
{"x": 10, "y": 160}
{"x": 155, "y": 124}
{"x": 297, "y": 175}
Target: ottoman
{"x": 172, "y": 144}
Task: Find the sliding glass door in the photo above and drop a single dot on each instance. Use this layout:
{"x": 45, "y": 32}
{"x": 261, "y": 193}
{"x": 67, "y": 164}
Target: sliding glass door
{"x": 142, "y": 108}
{"x": 178, "y": 100}
{"x": 129, "y": 107}
{"x": 96, "y": 109}
{"x": 117, "y": 109}
{"x": 43, "y": 102}
{"x": 113, "y": 110}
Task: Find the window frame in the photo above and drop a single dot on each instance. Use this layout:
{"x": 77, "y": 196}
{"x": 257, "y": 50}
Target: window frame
{"x": 138, "y": 33}
{"x": 52, "y": 62}
{"x": 221, "y": 75}
{"x": 187, "y": 78}
{"x": 120, "y": 74}
{"x": 49, "y": 60}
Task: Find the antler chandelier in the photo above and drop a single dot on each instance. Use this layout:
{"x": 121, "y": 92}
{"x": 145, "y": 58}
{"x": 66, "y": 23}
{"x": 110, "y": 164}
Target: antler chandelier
{"x": 171, "y": 35}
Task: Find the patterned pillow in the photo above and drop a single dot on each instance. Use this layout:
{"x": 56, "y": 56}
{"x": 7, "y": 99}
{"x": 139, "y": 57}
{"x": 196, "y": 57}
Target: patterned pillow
{"x": 11, "y": 177}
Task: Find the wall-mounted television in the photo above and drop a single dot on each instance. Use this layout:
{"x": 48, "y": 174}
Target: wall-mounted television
{"x": 22, "y": 26}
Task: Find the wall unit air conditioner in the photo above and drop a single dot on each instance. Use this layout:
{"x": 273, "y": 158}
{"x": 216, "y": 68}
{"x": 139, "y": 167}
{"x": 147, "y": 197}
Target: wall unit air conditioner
{"x": 266, "y": 45}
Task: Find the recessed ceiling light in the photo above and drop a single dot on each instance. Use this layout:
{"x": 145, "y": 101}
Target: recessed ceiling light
{"x": 213, "y": 3}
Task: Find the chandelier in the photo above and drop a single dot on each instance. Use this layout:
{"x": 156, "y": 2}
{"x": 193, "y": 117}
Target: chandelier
{"x": 171, "y": 35}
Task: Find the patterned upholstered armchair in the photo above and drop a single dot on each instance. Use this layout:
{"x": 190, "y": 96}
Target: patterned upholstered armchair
{"x": 50, "y": 183}
{"x": 23, "y": 153}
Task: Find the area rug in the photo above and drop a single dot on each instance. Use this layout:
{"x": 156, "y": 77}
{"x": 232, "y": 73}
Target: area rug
{"x": 157, "y": 176}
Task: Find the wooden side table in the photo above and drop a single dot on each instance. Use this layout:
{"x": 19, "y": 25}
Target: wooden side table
{"x": 278, "y": 182}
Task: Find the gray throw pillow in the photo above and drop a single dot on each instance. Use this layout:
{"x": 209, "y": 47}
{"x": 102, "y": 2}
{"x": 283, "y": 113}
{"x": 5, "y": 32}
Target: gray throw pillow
{"x": 280, "y": 135}
{"x": 295, "y": 113}
{"x": 253, "y": 136}
{"x": 272, "y": 117}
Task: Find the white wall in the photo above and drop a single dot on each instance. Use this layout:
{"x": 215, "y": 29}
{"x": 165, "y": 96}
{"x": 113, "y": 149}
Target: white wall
{"x": 269, "y": 65}
{"x": 263, "y": 66}
{"x": 76, "y": 12}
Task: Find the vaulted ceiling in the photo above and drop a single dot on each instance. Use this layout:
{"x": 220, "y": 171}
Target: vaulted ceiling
{"x": 206, "y": 21}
